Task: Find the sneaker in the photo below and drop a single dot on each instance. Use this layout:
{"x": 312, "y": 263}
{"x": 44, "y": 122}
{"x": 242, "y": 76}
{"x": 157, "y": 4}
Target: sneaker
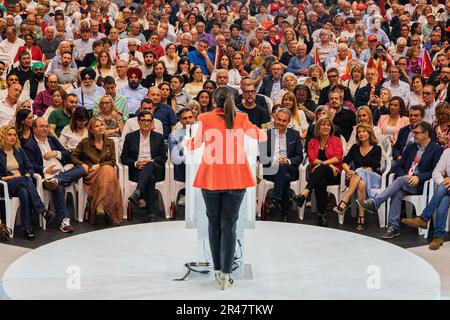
{"x": 368, "y": 205}
{"x": 436, "y": 243}
{"x": 28, "y": 234}
{"x": 51, "y": 184}
{"x": 390, "y": 233}
{"x": 182, "y": 200}
{"x": 65, "y": 226}
{"x": 225, "y": 281}
{"x": 416, "y": 222}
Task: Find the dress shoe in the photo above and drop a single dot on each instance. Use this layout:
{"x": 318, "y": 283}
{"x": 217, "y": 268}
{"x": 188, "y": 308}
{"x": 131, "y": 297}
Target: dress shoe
{"x": 416, "y": 222}
{"x": 51, "y": 184}
{"x": 322, "y": 220}
{"x": 134, "y": 198}
{"x": 48, "y": 215}
{"x": 28, "y": 234}
{"x": 436, "y": 243}
{"x": 275, "y": 205}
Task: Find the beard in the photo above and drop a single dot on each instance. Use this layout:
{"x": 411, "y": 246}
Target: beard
{"x": 133, "y": 85}
{"x": 88, "y": 89}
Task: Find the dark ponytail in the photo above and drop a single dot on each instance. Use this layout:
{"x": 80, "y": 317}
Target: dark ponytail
{"x": 224, "y": 98}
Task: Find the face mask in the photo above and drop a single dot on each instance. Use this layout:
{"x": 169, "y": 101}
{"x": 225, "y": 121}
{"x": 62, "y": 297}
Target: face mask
{"x": 133, "y": 85}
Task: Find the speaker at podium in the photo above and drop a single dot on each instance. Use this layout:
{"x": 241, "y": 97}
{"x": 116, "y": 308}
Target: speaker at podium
{"x": 195, "y": 210}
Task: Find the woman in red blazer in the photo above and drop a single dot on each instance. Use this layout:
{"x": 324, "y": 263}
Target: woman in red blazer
{"x": 325, "y": 157}
{"x": 223, "y": 175}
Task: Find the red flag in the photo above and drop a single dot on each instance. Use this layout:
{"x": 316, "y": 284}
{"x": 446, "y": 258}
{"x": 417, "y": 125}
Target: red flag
{"x": 382, "y": 9}
{"x": 427, "y": 66}
{"x": 316, "y": 57}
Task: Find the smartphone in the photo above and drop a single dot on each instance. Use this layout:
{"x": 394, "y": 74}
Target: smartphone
{"x": 133, "y": 53}
{"x": 314, "y": 79}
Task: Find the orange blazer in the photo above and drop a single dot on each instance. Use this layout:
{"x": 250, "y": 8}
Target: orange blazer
{"x": 384, "y": 120}
{"x": 224, "y": 163}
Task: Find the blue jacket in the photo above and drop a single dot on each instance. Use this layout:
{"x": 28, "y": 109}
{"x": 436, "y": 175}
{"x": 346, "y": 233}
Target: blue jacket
{"x": 402, "y": 139}
{"x": 426, "y": 165}
{"x": 267, "y": 85}
{"x": 293, "y": 145}
{"x": 36, "y": 157}
{"x": 130, "y": 153}
{"x": 22, "y": 159}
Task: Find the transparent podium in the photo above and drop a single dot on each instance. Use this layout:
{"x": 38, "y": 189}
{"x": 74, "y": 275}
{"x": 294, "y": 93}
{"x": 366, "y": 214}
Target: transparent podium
{"x": 195, "y": 211}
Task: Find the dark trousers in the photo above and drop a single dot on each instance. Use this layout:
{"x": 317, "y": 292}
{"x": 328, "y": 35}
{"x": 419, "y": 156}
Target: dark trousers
{"x": 179, "y": 171}
{"x": 222, "y": 209}
{"x": 281, "y": 184}
{"x": 318, "y": 181}
{"x": 24, "y": 188}
{"x": 146, "y": 182}
{"x": 59, "y": 194}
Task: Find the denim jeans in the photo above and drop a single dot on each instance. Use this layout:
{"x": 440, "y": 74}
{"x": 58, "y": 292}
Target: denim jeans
{"x": 440, "y": 202}
{"x": 24, "y": 188}
{"x": 396, "y": 191}
{"x": 59, "y": 194}
{"x": 222, "y": 209}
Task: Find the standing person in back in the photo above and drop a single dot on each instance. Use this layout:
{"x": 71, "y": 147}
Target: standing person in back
{"x": 224, "y": 176}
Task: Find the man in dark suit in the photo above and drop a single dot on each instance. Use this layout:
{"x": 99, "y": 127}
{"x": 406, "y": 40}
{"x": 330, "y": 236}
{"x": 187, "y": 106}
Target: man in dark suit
{"x": 405, "y": 136}
{"x": 281, "y": 156}
{"x": 272, "y": 84}
{"x": 145, "y": 154}
{"x": 52, "y": 161}
{"x": 363, "y": 94}
{"x": 415, "y": 167}
{"x": 333, "y": 77}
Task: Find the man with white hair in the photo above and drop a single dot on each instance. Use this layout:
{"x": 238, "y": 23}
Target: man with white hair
{"x": 95, "y": 34}
{"x": 185, "y": 45}
{"x": 340, "y": 61}
{"x": 118, "y": 46}
{"x": 49, "y": 43}
{"x": 399, "y": 50}
{"x": 134, "y": 57}
{"x": 299, "y": 64}
{"x": 10, "y": 46}
{"x": 324, "y": 47}
{"x": 89, "y": 91}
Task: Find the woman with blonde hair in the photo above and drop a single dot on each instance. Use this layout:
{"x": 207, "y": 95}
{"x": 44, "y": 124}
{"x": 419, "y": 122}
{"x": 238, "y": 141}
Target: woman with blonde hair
{"x": 364, "y": 115}
{"x": 289, "y": 81}
{"x": 17, "y": 171}
{"x": 298, "y": 118}
{"x": 316, "y": 81}
{"x": 362, "y": 167}
{"x": 288, "y": 36}
{"x": 357, "y": 79}
{"x": 111, "y": 116}
{"x": 97, "y": 155}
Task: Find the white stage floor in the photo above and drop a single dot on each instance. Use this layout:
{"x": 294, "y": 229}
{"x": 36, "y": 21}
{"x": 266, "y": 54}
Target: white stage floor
{"x": 289, "y": 261}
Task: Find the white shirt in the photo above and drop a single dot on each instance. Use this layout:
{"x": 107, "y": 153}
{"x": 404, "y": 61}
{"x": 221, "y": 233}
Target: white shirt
{"x": 144, "y": 148}
{"x": 126, "y": 55}
{"x": 121, "y": 83}
{"x": 401, "y": 90}
{"x": 45, "y": 147}
{"x": 275, "y": 89}
{"x": 8, "y": 50}
{"x": 6, "y": 112}
{"x": 430, "y": 113}
{"x": 442, "y": 169}
{"x": 280, "y": 149}
{"x": 69, "y": 139}
{"x": 133, "y": 125}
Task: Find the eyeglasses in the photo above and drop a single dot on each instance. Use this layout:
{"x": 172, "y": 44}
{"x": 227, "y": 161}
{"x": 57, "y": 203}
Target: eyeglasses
{"x": 146, "y": 120}
{"x": 332, "y": 76}
{"x": 249, "y": 91}
{"x": 426, "y": 93}
{"x": 417, "y": 132}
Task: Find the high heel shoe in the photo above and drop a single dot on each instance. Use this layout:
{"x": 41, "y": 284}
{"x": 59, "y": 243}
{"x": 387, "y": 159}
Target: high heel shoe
{"x": 322, "y": 220}
{"x": 300, "y": 200}
{"x": 361, "y": 222}
{"x": 339, "y": 210}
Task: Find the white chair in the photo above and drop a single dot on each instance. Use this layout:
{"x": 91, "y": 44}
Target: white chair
{"x": 12, "y": 204}
{"x": 265, "y": 185}
{"x": 418, "y": 202}
{"x": 430, "y": 195}
{"x": 130, "y": 186}
{"x": 46, "y": 196}
{"x": 174, "y": 187}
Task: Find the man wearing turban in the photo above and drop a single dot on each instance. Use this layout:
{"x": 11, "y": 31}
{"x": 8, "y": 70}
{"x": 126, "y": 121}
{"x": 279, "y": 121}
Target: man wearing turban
{"x": 89, "y": 91}
{"x": 134, "y": 91}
